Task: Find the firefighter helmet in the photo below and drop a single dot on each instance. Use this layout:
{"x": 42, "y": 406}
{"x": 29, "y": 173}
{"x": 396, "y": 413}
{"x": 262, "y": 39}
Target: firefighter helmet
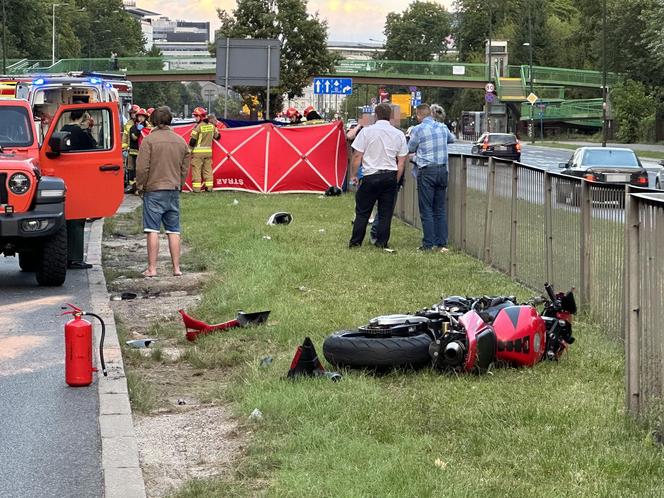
{"x": 134, "y": 109}
{"x": 291, "y": 112}
{"x": 308, "y": 110}
{"x": 142, "y": 112}
{"x": 150, "y": 111}
{"x": 199, "y": 111}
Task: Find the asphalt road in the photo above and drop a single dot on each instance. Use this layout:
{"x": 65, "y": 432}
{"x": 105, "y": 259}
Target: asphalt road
{"x": 50, "y": 442}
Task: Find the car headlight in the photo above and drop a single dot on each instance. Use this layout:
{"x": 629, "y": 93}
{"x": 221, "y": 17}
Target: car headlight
{"x": 19, "y": 183}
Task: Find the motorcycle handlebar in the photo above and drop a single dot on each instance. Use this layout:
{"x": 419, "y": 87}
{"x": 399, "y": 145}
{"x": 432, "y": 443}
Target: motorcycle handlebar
{"x": 549, "y": 290}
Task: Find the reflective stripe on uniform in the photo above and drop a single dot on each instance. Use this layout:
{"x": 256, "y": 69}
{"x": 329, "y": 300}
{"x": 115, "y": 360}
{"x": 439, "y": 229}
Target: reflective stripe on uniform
{"x": 202, "y": 150}
{"x": 209, "y": 184}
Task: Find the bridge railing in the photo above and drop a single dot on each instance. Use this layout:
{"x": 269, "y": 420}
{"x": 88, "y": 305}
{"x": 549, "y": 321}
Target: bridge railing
{"x": 574, "y": 77}
{"x": 129, "y": 65}
{"x": 372, "y": 68}
{"x": 568, "y": 110}
{"x": 413, "y": 69}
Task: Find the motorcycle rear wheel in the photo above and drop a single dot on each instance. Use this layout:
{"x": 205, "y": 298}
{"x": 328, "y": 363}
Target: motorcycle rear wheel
{"x": 354, "y": 349}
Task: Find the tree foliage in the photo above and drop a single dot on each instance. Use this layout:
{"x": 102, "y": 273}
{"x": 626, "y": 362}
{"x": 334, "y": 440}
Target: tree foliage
{"x": 418, "y": 33}
{"x": 83, "y": 28}
{"x": 303, "y": 38}
{"x": 632, "y": 107}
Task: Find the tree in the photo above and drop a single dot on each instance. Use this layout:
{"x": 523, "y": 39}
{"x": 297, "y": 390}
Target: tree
{"x": 632, "y": 107}
{"x": 303, "y": 40}
{"x": 418, "y": 33}
{"x": 83, "y": 28}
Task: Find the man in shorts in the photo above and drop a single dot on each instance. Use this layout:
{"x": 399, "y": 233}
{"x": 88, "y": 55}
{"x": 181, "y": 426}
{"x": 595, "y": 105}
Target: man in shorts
{"x": 161, "y": 170}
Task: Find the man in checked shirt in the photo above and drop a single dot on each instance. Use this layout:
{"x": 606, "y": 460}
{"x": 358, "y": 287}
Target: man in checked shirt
{"x": 428, "y": 141}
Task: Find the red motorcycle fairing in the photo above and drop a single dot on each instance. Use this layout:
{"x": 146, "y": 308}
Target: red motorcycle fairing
{"x": 481, "y": 342}
{"x": 520, "y": 334}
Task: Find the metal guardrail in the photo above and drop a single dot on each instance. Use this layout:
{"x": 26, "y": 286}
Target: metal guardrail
{"x": 537, "y": 225}
{"x": 644, "y": 306}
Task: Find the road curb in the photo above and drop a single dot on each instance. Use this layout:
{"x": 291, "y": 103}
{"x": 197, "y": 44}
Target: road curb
{"x": 123, "y": 477}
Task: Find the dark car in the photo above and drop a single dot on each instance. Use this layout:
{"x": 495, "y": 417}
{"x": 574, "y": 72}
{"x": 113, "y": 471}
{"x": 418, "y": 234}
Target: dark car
{"x": 501, "y": 145}
{"x": 613, "y": 165}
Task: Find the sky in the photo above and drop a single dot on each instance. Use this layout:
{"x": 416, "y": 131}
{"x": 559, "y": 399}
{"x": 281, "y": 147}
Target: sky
{"x": 348, "y": 20}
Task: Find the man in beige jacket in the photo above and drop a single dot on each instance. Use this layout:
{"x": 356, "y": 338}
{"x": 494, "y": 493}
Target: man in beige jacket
{"x": 161, "y": 170}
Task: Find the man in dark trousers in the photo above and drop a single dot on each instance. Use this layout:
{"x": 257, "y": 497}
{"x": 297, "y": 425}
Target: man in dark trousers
{"x": 428, "y": 141}
{"x": 381, "y": 149}
{"x": 80, "y": 137}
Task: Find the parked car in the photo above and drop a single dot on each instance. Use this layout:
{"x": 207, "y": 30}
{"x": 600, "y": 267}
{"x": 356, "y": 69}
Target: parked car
{"x": 612, "y": 165}
{"x": 350, "y": 124}
{"x": 659, "y": 179}
{"x": 501, "y": 145}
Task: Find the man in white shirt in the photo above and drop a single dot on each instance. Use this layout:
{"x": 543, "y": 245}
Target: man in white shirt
{"x": 382, "y": 150}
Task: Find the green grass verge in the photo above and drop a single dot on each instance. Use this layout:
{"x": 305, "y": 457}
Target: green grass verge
{"x": 554, "y": 430}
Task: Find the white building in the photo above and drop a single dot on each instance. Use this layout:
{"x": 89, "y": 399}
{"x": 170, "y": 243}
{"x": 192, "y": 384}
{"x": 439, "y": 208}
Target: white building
{"x": 174, "y": 38}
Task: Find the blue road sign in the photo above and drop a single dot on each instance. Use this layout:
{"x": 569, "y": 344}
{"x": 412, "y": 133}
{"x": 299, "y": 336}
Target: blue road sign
{"x": 333, "y": 86}
{"x": 415, "y": 98}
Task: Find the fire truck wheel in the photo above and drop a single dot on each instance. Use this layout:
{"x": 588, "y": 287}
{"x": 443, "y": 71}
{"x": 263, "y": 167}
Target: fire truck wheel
{"x": 354, "y": 349}
{"x": 52, "y": 264}
{"x": 28, "y": 261}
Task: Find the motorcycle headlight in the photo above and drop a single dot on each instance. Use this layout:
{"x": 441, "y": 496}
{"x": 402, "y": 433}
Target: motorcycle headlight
{"x": 19, "y": 183}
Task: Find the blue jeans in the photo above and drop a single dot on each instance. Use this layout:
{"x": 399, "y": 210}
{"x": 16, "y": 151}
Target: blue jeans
{"x": 431, "y": 190}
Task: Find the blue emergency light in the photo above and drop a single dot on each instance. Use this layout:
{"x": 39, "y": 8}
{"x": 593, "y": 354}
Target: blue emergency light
{"x": 95, "y": 81}
{"x": 38, "y": 81}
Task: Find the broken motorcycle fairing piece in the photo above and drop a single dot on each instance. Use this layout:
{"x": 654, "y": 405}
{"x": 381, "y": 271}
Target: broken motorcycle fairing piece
{"x": 194, "y": 327}
{"x": 461, "y": 334}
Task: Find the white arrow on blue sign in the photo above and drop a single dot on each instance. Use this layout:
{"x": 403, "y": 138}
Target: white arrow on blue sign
{"x": 333, "y": 86}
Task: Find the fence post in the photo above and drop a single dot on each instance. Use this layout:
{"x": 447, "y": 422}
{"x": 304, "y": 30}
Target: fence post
{"x": 513, "y": 220}
{"x": 632, "y": 312}
{"x": 463, "y": 191}
{"x": 586, "y": 243}
{"x": 490, "y": 189}
{"x": 548, "y": 226}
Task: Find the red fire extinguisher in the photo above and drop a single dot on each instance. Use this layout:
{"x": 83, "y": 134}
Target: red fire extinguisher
{"x": 78, "y": 348}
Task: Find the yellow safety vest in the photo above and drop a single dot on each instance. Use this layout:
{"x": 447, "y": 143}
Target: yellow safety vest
{"x": 125, "y": 133}
{"x": 204, "y": 134}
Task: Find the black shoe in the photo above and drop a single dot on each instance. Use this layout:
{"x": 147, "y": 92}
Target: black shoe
{"x": 425, "y": 249}
{"x": 353, "y": 246}
{"x": 78, "y": 265}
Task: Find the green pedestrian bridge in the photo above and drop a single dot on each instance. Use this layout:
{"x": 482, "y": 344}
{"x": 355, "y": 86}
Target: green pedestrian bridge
{"x": 513, "y": 84}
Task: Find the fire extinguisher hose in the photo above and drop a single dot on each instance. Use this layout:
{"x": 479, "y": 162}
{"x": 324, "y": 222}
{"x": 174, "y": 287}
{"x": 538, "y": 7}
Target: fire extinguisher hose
{"x": 101, "y": 342}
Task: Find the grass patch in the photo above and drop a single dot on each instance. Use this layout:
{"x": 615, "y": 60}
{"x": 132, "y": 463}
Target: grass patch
{"x": 555, "y": 430}
{"x": 141, "y": 393}
{"x": 130, "y": 223}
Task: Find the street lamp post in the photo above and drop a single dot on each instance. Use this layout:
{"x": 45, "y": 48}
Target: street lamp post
{"x": 604, "y": 92}
{"x": 529, "y": 43}
{"x": 53, "y": 31}
{"x": 4, "y": 38}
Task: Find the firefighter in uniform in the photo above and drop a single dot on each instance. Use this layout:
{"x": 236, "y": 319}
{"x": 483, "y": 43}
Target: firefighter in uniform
{"x": 202, "y": 136}
{"x": 130, "y": 163}
{"x": 148, "y": 123}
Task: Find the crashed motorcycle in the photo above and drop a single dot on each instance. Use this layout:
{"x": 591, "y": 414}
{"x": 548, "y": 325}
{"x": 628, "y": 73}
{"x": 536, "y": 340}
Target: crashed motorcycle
{"x": 461, "y": 334}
